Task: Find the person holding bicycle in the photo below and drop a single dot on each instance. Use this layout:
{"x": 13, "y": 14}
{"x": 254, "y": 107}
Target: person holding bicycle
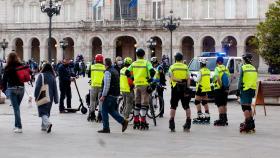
{"x": 159, "y": 78}
{"x": 180, "y": 82}
{"x": 143, "y": 73}
{"x": 126, "y": 88}
{"x": 96, "y": 73}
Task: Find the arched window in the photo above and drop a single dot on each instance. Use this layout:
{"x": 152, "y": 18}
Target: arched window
{"x": 230, "y": 9}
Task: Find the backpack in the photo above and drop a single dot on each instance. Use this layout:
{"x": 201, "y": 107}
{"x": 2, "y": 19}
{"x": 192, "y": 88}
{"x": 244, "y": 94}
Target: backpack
{"x": 23, "y": 73}
{"x": 225, "y": 81}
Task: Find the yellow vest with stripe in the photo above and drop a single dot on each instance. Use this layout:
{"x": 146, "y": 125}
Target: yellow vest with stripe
{"x": 221, "y": 69}
{"x": 250, "y": 77}
{"x": 124, "y": 86}
{"x": 204, "y": 82}
{"x": 140, "y": 72}
{"x": 97, "y": 74}
{"x": 179, "y": 71}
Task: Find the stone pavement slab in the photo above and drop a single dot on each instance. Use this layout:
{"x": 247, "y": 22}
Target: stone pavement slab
{"x": 74, "y": 137}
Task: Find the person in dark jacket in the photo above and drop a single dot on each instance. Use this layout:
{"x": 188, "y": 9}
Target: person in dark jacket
{"x": 110, "y": 93}
{"x": 13, "y": 87}
{"x": 48, "y": 76}
{"x": 65, "y": 79}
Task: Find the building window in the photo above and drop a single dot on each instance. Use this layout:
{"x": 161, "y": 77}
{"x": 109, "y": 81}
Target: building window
{"x": 230, "y": 9}
{"x": 97, "y": 13}
{"x": 18, "y": 14}
{"x": 208, "y": 9}
{"x": 157, "y": 9}
{"x": 33, "y": 11}
{"x": 186, "y": 9}
{"x": 67, "y": 12}
{"x": 252, "y": 8}
{"x": 122, "y": 10}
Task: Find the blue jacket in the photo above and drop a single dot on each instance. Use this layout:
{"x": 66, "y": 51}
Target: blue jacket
{"x": 50, "y": 80}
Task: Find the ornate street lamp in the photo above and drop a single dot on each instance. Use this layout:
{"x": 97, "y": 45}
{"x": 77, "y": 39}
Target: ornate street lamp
{"x": 171, "y": 24}
{"x": 4, "y": 45}
{"x": 51, "y": 8}
{"x": 63, "y": 44}
{"x": 151, "y": 44}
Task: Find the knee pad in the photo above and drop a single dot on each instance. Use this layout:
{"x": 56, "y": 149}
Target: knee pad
{"x": 204, "y": 102}
{"x": 197, "y": 102}
{"x": 246, "y": 107}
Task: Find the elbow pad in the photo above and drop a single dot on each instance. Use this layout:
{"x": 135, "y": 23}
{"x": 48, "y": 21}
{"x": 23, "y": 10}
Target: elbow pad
{"x": 152, "y": 73}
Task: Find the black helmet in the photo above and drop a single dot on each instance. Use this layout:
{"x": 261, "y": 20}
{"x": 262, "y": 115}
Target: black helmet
{"x": 140, "y": 52}
{"x": 178, "y": 56}
{"x": 247, "y": 57}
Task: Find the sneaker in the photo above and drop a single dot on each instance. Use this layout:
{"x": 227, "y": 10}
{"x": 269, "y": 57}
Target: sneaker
{"x": 104, "y": 131}
{"x": 124, "y": 125}
{"x": 17, "y": 130}
{"x": 49, "y": 128}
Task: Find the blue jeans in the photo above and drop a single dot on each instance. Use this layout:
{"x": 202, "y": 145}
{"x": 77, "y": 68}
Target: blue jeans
{"x": 16, "y": 94}
{"x": 109, "y": 107}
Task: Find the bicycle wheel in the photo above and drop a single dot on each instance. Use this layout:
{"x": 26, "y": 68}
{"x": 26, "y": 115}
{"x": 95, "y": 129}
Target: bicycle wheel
{"x": 156, "y": 101}
{"x": 152, "y": 112}
{"x": 122, "y": 109}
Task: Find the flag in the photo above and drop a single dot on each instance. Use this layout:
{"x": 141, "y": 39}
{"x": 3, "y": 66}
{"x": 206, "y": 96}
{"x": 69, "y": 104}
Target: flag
{"x": 99, "y": 3}
{"x": 132, "y": 4}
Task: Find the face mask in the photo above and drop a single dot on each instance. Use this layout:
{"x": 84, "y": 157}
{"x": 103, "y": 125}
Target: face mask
{"x": 119, "y": 63}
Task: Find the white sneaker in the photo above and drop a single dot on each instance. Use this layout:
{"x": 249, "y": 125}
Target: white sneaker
{"x": 17, "y": 130}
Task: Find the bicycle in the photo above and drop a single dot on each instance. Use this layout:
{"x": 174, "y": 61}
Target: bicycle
{"x": 154, "y": 106}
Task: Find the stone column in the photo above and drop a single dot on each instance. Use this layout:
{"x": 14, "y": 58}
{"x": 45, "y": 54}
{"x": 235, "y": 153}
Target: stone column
{"x": 240, "y": 50}
{"x": 218, "y": 48}
{"x": 43, "y": 52}
{"x": 59, "y": 54}
{"x": 197, "y": 50}
{"x": 26, "y": 53}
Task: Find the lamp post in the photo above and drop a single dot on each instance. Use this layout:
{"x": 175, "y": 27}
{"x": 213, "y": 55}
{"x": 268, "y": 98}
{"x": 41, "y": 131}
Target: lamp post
{"x": 63, "y": 44}
{"x": 171, "y": 24}
{"x": 151, "y": 44}
{"x": 4, "y": 45}
{"x": 51, "y": 8}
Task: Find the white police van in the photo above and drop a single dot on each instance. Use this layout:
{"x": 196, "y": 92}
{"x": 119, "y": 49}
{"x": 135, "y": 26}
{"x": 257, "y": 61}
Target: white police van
{"x": 232, "y": 63}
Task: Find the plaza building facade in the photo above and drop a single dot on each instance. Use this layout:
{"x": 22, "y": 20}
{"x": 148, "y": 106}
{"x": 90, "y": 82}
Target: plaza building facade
{"x": 113, "y": 28}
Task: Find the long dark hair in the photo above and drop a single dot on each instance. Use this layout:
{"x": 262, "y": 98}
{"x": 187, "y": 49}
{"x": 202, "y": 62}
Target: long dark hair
{"x": 12, "y": 60}
{"x": 47, "y": 68}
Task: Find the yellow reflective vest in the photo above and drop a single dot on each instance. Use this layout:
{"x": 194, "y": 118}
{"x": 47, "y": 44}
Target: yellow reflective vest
{"x": 250, "y": 77}
{"x": 97, "y": 74}
{"x": 204, "y": 82}
{"x": 179, "y": 71}
{"x": 140, "y": 69}
{"x": 124, "y": 85}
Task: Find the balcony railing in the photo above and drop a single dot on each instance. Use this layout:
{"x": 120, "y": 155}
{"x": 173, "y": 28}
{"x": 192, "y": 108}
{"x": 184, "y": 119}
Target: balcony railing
{"x": 131, "y": 24}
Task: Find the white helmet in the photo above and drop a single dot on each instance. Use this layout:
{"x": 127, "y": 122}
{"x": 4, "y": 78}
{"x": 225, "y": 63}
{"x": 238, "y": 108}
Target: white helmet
{"x": 202, "y": 60}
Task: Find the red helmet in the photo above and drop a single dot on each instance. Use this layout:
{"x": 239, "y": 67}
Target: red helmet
{"x": 99, "y": 58}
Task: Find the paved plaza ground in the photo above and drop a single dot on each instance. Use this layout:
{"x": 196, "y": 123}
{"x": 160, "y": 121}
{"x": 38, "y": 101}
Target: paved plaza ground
{"x": 74, "y": 137}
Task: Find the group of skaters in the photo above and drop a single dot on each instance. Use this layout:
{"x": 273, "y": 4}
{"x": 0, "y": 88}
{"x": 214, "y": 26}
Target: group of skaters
{"x": 135, "y": 81}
